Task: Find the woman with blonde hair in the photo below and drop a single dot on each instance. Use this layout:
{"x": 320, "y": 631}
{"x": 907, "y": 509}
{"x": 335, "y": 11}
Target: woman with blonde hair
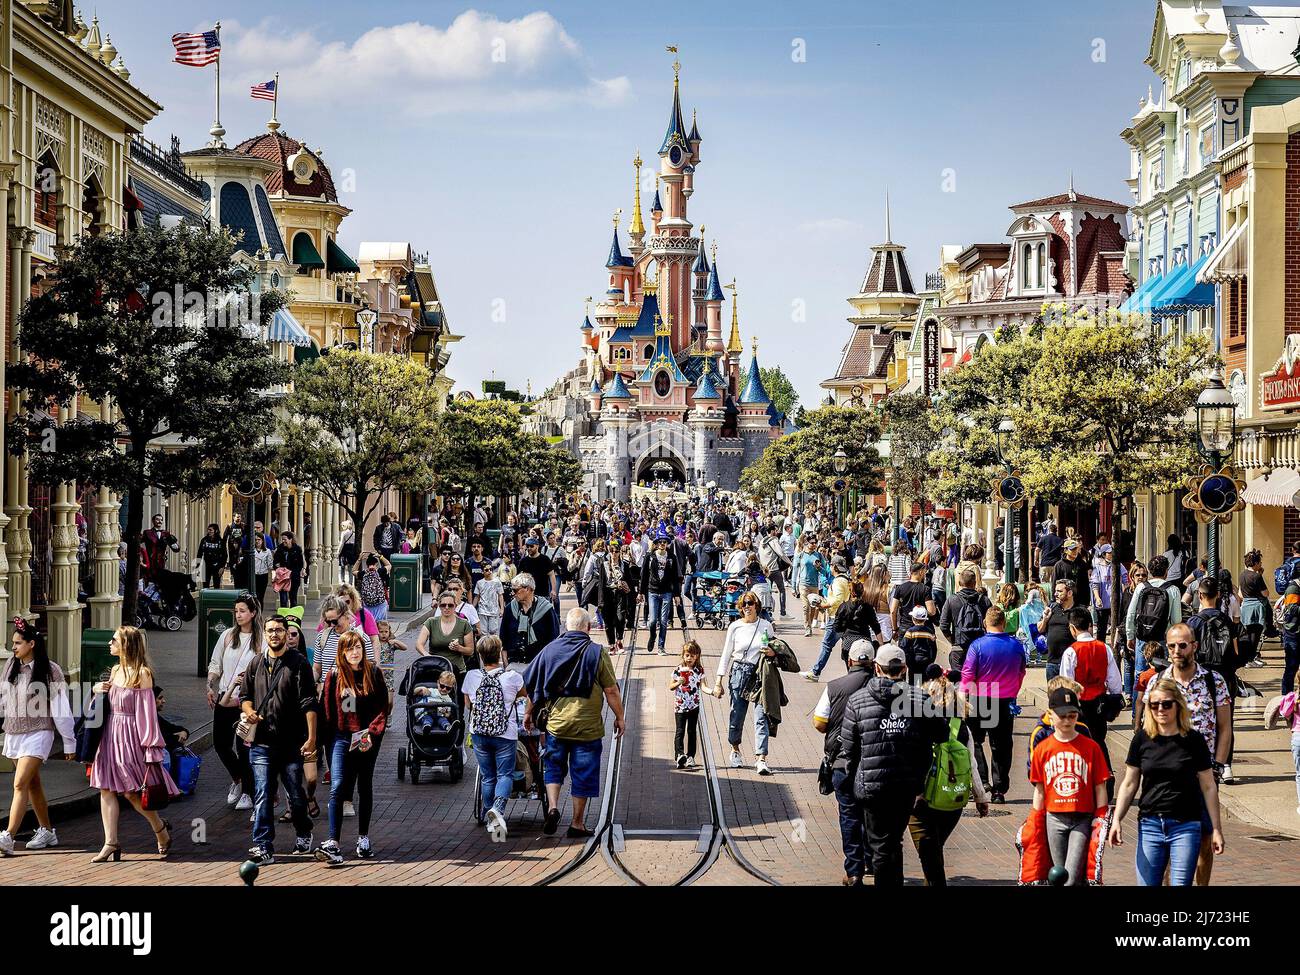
{"x": 930, "y": 827}
{"x": 1170, "y": 760}
{"x": 875, "y": 593}
{"x": 348, "y": 551}
{"x": 130, "y": 754}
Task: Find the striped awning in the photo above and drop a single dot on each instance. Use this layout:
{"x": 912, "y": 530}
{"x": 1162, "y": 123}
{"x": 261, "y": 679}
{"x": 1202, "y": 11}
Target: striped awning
{"x": 1140, "y": 300}
{"x": 1277, "y": 489}
{"x": 285, "y": 328}
{"x": 1229, "y": 259}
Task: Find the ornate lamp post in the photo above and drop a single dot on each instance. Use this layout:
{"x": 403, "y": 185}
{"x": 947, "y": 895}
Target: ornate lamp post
{"x": 840, "y": 461}
{"x": 1010, "y": 492}
{"x": 1216, "y": 426}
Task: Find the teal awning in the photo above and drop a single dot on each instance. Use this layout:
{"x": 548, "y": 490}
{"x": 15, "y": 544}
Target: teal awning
{"x": 1139, "y": 301}
{"x": 305, "y": 254}
{"x": 336, "y": 261}
{"x": 1182, "y": 291}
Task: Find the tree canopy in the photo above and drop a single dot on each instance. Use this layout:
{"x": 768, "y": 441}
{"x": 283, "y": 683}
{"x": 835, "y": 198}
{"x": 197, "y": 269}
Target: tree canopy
{"x": 779, "y": 389}
{"x": 807, "y": 456}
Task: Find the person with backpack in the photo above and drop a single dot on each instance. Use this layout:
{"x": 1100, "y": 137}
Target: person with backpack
{"x": 919, "y": 644}
{"x": 888, "y": 734}
{"x": 962, "y": 619}
{"x": 1154, "y": 608}
{"x": 953, "y": 780}
{"x": 1177, "y": 562}
{"x": 1206, "y": 694}
{"x": 370, "y": 584}
{"x": 1090, "y": 662}
{"x": 490, "y": 708}
{"x": 836, "y": 597}
{"x": 992, "y": 672}
{"x": 828, "y": 717}
{"x": 776, "y": 564}
{"x": 1217, "y": 647}
{"x": 1289, "y": 625}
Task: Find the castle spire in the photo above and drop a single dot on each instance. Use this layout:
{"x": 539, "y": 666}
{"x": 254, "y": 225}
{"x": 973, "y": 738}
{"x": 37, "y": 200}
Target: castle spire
{"x": 676, "y": 133}
{"x": 734, "y": 344}
{"x": 888, "y": 236}
{"x": 637, "y": 230}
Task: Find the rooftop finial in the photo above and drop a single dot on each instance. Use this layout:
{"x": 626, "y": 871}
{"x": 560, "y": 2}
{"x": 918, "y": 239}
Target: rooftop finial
{"x": 638, "y": 225}
{"x": 617, "y": 215}
{"x": 889, "y": 239}
{"x": 677, "y": 67}
{"x": 754, "y": 346}
{"x": 713, "y": 251}
{"x": 1073, "y": 196}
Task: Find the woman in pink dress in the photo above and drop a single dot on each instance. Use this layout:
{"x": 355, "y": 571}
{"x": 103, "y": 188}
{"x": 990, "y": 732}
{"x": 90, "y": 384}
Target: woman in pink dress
{"x": 131, "y": 751}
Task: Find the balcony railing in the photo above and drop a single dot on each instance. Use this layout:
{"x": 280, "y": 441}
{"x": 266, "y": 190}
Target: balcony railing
{"x": 934, "y": 281}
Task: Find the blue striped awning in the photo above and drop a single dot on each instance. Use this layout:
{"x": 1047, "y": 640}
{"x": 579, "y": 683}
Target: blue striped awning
{"x": 1140, "y": 300}
{"x": 1182, "y": 291}
{"x": 285, "y": 328}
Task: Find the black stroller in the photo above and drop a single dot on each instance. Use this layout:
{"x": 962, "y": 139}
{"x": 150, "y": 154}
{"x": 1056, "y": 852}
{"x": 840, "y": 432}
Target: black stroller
{"x": 428, "y": 741}
{"x": 166, "y": 603}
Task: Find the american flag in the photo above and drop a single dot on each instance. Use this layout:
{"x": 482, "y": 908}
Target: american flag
{"x": 266, "y": 90}
{"x": 197, "y": 50}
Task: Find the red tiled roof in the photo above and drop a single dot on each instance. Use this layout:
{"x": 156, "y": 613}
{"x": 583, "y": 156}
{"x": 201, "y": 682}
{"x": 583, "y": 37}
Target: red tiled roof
{"x": 859, "y": 359}
{"x": 1063, "y": 198}
{"x": 277, "y": 148}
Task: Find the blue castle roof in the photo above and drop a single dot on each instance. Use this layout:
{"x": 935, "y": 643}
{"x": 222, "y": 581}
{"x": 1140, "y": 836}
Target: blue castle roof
{"x": 595, "y": 387}
{"x": 618, "y": 388}
{"x": 754, "y": 391}
{"x": 701, "y": 265}
{"x": 706, "y": 388}
{"x": 645, "y": 322}
{"x": 656, "y": 206}
{"x": 715, "y": 290}
{"x": 676, "y": 133}
{"x": 586, "y": 324}
{"x": 662, "y": 358}
{"x": 616, "y": 256}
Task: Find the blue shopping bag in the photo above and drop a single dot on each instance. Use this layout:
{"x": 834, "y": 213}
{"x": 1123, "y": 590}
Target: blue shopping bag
{"x": 186, "y": 770}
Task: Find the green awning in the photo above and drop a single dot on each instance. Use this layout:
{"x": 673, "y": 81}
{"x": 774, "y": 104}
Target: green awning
{"x": 337, "y": 262}
{"x": 305, "y": 254}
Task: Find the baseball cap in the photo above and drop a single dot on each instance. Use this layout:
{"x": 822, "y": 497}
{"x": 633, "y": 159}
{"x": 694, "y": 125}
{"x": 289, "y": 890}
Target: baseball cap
{"x": 838, "y": 562}
{"x": 920, "y": 613}
{"x": 1062, "y": 700}
{"x": 862, "y": 650}
{"x": 889, "y": 655}
{"x": 532, "y": 540}
{"x": 1071, "y": 545}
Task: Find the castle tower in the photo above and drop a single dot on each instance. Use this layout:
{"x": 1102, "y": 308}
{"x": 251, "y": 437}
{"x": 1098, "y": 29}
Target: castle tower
{"x": 755, "y": 421}
{"x": 734, "y": 345}
{"x": 676, "y": 248}
{"x": 705, "y": 422}
{"x": 713, "y": 308}
{"x": 701, "y": 271}
{"x": 616, "y": 416}
{"x": 620, "y": 269}
{"x": 637, "y": 230}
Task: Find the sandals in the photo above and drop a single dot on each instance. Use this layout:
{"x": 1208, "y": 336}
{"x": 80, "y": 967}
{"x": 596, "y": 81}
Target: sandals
{"x": 164, "y": 847}
{"x": 313, "y": 809}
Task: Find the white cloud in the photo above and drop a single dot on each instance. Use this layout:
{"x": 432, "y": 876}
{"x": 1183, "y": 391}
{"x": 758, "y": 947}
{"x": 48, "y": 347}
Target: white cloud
{"x": 830, "y": 225}
{"x": 476, "y": 63}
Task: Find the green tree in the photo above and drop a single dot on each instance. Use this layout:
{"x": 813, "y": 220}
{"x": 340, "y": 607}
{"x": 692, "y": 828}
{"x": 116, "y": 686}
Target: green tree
{"x": 550, "y": 466}
{"x": 357, "y": 425}
{"x": 777, "y": 465}
{"x": 162, "y": 326}
{"x": 910, "y": 427}
{"x": 779, "y": 389}
{"x": 480, "y": 450}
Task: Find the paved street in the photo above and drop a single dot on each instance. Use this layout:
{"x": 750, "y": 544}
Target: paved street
{"x": 425, "y": 834}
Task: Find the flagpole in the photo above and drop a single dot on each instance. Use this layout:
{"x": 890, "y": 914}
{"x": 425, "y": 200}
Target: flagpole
{"x": 217, "y": 132}
{"x": 275, "y": 104}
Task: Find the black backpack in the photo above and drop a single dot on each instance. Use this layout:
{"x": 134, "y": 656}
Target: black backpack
{"x": 1214, "y": 647}
{"x": 1152, "y": 615}
{"x": 968, "y": 625}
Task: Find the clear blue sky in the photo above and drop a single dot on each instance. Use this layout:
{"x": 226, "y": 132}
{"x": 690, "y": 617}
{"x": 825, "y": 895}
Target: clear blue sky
{"x": 507, "y": 171}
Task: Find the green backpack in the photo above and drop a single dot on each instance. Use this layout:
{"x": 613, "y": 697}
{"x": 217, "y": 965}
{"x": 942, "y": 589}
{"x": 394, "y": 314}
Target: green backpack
{"x": 948, "y": 783}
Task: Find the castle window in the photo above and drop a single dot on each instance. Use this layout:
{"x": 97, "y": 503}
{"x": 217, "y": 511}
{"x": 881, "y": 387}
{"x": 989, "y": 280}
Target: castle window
{"x": 649, "y": 351}
{"x": 663, "y": 385}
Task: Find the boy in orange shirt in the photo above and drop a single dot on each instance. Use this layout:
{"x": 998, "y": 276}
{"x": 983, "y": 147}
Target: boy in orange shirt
{"x": 1069, "y": 774}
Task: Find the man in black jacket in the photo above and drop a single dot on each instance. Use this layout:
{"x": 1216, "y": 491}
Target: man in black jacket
{"x": 278, "y": 697}
{"x": 660, "y": 582}
{"x": 828, "y": 717}
{"x": 954, "y": 610}
{"x": 888, "y": 734}
{"x": 1073, "y": 569}
{"x": 684, "y": 556}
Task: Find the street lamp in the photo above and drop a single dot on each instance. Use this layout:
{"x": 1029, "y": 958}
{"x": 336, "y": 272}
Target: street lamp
{"x": 1216, "y": 425}
{"x": 840, "y": 461}
{"x": 1006, "y": 431}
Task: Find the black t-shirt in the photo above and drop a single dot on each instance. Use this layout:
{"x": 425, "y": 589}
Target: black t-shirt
{"x": 1253, "y": 584}
{"x": 1058, "y": 633}
{"x": 540, "y": 568}
{"x": 911, "y": 594}
{"x": 1169, "y": 765}
{"x": 1050, "y": 547}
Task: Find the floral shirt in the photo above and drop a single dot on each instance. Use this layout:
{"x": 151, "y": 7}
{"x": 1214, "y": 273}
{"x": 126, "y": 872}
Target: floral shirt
{"x": 387, "y": 654}
{"x": 1197, "y": 693}
{"x": 688, "y": 692}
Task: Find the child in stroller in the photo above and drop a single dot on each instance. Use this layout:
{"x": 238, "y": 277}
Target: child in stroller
{"x": 440, "y": 706}
{"x": 435, "y": 728}
{"x": 166, "y": 603}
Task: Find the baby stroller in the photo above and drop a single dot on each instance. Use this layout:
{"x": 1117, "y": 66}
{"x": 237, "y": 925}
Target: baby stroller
{"x": 528, "y": 769}
{"x": 709, "y": 604}
{"x": 428, "y": 743}
{"x": 166, "y": 603}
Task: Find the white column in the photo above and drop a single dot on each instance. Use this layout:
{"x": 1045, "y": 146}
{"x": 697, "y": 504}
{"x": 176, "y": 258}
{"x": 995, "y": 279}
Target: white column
{"x": 63, "y": 612}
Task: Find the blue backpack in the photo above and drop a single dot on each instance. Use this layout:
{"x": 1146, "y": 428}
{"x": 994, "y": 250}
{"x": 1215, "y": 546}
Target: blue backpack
{"x": 1282, "y": 574}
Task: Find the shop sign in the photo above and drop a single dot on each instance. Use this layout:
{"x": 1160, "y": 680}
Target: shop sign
{"x": 1280, "y": 388}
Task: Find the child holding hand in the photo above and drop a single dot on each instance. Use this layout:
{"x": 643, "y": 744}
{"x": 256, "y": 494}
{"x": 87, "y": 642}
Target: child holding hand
{"x": 687, "y": 681}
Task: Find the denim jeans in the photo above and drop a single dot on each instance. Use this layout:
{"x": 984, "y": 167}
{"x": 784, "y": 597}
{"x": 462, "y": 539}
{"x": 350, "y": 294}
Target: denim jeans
{"x": 1291, "y": 648}
{"x": 1295, "y": 757}
{"x": 267, "y": 767}
{"x": 852, "y": 826}
{"x": 496, "y": 767}
{"x": 829, "y": 639}
{"x": 348, "y": 769}
{"x": 740, "y": 674}
{"x": 1053, "y": 670}
{"x": 1163, "y": 841}
{"x": 661, "y": 617}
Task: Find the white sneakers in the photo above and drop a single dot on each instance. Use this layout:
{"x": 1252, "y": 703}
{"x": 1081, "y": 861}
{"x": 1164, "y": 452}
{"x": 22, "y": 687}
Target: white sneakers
{"x": 735, "y": 761}
{"x": 809, "y": 675}
{"x": 807, "y": 631}
{"x": 6, "y": 844}
{"x": 329, "y": 854}
{"x": 44, "y": 838}
{"x": 245, "y": 801}
{"x": 363, "y": 848}
{"x": 690, "y": 762}
{"x": 348, "y": 809}
{"x": 1227, "y": 775}
{"x": 236, "y": 790}
{"x": 760, "y": 766}
{"x": 496, "y": 825}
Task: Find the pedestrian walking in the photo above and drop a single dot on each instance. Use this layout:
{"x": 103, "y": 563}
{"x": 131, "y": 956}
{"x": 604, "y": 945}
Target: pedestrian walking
{"x": 36, "y": 713}
{"x": 448, "y": 635}
{"x": 835, "y": 598}
{"x": 288, "y": 556}
{"x": 1055, "y": 625}
{"x": 661, "y": 582}
{"x": 354, "y": 715}
{"x": 888, "y": 738}
{"x": 232, "y": 652}
{"x": 748, "y": 638}
{"x": 991, "y": 675}
{"x": 828, "y": 719}
{"x": 212, "y": 552}
{"x": 371, "y": 588}
{"x": 491, "y": 696}
{"x": 488, "y": 601}
{"x": 572, "y": 677}
{"x": 1089, "y": 662}
{"x": 962, "y": 619}
{"x": 530, "y": 621}
{"x": 687, "y": 682}
{"x": 263, "y": 566}
{"x": 1170, "y": 761}
{"x": 348, "y": 551}
{"x": 1069, "y": 775}
{"x": 130, "y": 754}
{"x": 280, "y": 709}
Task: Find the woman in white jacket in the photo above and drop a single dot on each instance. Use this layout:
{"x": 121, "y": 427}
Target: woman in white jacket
{"x": 231, "y": 655}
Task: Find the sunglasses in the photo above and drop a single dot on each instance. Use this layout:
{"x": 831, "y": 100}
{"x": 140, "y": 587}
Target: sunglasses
{"x": 1162, "y": 705}
{"x": 447, "y": 605}
{"x": 334, "y": 621}
{"x": 1178, "y": 646}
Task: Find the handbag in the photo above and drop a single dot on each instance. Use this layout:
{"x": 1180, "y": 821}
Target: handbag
{"x": 1109, "y": 706}
{"x": 246, "y": 730}
{"x": 89, "y": 728}
{"x": 154, "y": 795}
{"x": 185, "y": 768}
{"x": 825, "y": 771}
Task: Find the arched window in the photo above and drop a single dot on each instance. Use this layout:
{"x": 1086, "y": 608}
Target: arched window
{"x": 1026, "y": 273}
{"x": 649, "y": 351}
{"x": 46, "y": 198}
{"x": 1040, "y": 272}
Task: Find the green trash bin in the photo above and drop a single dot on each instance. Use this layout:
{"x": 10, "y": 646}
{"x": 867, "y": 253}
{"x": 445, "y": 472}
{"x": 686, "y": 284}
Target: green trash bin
{"x": 407, "y": 583}
{"x": 216, "y": 615}
{"x": 96, "y": 661}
